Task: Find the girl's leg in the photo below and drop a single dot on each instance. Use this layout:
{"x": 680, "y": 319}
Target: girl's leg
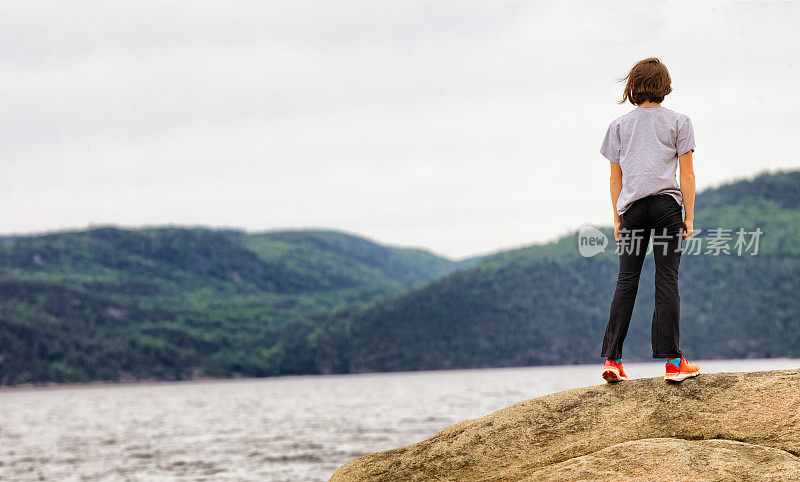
{"x": 667, "y": 237}
{"x": 634, "y": 238}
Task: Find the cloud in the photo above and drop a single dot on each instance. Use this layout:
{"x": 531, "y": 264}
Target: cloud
{"x": 460, "y": 127}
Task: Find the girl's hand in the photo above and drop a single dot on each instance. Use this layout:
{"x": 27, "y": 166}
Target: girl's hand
{"x": 616, "y": 230}
{"x": 688, "y": 228}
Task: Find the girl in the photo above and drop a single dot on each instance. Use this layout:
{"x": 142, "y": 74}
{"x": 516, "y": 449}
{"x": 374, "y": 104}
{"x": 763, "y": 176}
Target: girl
{"x": 645, "y": 147}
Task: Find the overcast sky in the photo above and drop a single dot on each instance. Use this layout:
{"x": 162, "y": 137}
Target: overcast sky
{"x": 463, "y": 128}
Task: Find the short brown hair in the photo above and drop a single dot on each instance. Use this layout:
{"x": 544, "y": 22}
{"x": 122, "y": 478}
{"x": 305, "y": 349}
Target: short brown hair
{"x": 649, "y": 80}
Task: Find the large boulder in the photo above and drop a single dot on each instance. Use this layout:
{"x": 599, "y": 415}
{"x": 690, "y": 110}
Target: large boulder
{"x": 734, "y": 426}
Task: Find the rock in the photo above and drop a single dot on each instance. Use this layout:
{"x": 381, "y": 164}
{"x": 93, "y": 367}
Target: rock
{"x": 735, "y": 425}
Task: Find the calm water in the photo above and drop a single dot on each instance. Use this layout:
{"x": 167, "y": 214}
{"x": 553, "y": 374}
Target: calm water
{"x": 286, "y": 428}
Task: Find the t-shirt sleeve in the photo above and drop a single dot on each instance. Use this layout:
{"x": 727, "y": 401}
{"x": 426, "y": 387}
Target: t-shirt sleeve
{"x": 611, "y": 144}
{"x": 685, "y": 137}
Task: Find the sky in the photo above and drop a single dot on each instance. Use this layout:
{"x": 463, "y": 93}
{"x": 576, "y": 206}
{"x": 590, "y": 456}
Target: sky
{"x": 463, "y": 128}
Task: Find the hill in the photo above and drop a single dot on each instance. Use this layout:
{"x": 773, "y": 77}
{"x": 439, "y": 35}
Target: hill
{"x": 168, "y": 302}
{"x": 322, "y": 260}
{"x": 720, "y": 426}
{"x": 549, "y": 305}
{"x": 172, "y": 303}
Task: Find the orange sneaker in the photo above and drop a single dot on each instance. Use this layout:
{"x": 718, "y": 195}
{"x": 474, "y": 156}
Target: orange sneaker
{"x": 613, "y": 372}
{"x": 683, "y": 371}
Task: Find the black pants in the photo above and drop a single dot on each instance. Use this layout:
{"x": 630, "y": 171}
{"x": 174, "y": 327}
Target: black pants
{"x": 662, "y": 214}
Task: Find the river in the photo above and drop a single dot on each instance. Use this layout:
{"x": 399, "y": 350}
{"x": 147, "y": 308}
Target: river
{"x": 294, "y": 428}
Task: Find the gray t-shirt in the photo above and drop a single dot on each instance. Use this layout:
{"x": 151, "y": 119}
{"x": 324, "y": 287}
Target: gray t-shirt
{"x": 646, "y": 143}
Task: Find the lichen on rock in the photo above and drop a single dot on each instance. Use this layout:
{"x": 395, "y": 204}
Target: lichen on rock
{"x": 734, "y": 426}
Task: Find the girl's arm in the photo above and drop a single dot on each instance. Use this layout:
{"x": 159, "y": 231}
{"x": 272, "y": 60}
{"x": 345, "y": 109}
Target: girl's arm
{"x": 616, "y": 187}
{"x": 687, "y": 190}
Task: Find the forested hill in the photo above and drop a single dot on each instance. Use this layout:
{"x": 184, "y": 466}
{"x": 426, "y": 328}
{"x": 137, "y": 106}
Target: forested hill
{"x": 305, "y": 261}
{"x": 549, "y": 305}
{"x": 298, "y": 261}
{"x": 175, "y": 303}
{"x": 168, "y": 302}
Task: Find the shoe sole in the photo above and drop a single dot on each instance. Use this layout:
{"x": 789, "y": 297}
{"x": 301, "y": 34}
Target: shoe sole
{"x": 611, "y": 375}
{"x": 680, "y": 377}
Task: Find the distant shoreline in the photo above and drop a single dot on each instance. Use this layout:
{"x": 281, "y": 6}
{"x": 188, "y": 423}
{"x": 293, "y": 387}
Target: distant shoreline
{"x": 102, "y": 383}
{"x": 46, "y": 386}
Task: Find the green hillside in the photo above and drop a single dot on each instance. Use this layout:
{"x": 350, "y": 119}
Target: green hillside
{"x": 176, "y": 303}
{"x": 548, "y": 305}
{"x": 167, "y": 302}
{"x": 323, "y": 260}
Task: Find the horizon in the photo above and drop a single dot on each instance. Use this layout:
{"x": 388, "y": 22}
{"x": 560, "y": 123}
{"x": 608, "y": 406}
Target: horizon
{"x": 556, "y": 238}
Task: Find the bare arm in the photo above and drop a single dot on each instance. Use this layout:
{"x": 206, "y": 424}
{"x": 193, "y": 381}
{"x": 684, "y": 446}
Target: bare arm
{"x": 616, "y": 188}
{"x": 687, "y": 190}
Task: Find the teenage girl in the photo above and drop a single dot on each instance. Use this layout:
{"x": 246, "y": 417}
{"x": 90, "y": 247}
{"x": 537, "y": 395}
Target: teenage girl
{"x": 645, "y": 148}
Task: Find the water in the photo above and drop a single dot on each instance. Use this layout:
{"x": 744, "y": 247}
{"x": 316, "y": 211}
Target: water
{"x": 285, "y": 428}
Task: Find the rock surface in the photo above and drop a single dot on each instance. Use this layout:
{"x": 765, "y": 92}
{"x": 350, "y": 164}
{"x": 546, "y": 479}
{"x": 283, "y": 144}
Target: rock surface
{"x": 734, "y": 425}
